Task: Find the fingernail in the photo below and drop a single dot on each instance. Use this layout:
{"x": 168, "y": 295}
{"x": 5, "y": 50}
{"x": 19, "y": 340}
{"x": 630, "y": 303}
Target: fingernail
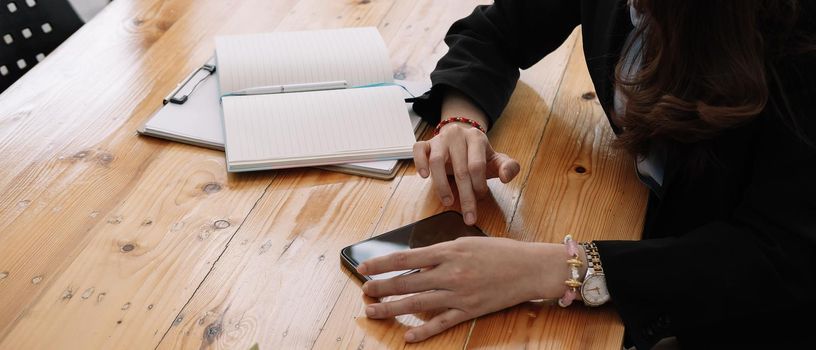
{"x": 447, "y": 201}
{"x": 365, "y": 288}
{"x": 370, "y": 311}
{"x": 362, "y": 269}
{"x": 423, "y": 172}
{"x": 410, "y": 337}
{"x": 470, "y": 218}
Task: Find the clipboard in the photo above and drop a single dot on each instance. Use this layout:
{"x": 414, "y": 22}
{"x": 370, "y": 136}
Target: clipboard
{"x": 191, "y": 114}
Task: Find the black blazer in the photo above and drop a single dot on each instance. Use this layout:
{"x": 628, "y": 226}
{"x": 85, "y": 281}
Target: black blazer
{"x": 727, "y": 255}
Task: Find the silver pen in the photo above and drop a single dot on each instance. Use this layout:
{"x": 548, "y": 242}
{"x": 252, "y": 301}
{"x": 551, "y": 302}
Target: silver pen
{"x": 277, "y": 89}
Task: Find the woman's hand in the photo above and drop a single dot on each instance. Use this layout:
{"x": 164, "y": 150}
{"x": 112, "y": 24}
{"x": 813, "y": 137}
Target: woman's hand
{"x": 466, "y": 278}
{"x": 465, "y": 152}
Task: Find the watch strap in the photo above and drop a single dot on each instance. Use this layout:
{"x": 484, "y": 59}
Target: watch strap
{"x": 593, "y": 258}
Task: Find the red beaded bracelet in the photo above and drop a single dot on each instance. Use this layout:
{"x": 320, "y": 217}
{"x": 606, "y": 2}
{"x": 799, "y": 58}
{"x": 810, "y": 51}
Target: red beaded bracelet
{"x": 472, "y": 122}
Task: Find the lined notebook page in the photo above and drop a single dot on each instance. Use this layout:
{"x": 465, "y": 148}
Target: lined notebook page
{"x": 316, "y": 128}
{"x": 356, "y": 55}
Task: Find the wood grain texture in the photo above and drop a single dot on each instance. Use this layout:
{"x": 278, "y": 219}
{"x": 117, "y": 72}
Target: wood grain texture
{"x": 69, "y": 166}
{"x": 77, "y": 160}
{"x": 144, "y": 260}
{"x": 110, "y": 240}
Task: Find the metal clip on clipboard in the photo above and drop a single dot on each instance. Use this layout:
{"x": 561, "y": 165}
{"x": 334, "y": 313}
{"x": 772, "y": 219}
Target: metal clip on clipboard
{"x": 184, "y": 89}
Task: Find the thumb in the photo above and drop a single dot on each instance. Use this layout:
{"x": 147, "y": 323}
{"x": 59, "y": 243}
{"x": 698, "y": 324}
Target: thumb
{"x": 508, "y": 169}
{"x": 502, "y": 166}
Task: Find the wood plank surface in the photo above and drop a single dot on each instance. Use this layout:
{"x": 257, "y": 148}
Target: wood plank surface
{"x": 111, "y": 240}
{"x": 90, "y": 172}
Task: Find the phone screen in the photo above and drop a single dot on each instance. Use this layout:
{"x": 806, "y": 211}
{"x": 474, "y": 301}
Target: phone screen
{"x": 441, "y": 227}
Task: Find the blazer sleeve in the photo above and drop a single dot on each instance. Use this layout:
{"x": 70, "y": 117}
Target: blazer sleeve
{"x": 488, "y": 47}
{"x": 739, "y": 280}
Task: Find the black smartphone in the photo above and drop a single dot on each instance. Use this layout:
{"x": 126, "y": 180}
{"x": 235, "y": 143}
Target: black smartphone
{"x": 445, "y": 226}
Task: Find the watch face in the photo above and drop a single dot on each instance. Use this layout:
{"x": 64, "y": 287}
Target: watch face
{"x": 593, "y": 291}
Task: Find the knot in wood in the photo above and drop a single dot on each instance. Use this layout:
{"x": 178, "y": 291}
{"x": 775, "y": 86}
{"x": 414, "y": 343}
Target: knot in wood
{"x": 579, "y": 169}
{"x": 221, "y": 224}
{"x": 212, "y": 187}
{"x": 81, "y": 154}
{"x": 104, "y": 158}
{"x": 212, "y": 331}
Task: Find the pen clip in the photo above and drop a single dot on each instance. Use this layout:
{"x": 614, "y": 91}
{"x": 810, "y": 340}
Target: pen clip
{"x": 176, "y": 97}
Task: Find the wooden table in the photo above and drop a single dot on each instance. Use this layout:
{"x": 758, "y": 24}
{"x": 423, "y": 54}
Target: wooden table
{"x": 112, "y": 240}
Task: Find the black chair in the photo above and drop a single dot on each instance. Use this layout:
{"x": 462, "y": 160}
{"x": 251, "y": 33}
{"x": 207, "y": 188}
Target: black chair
{"x": 29, "y": 30}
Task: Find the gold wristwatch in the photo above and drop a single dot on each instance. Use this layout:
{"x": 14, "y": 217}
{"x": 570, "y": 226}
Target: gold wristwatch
{"x": 593, "y": 290}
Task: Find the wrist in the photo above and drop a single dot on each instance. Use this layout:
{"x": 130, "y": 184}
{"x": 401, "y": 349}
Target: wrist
{"x": 549, "y": 271}
{"x": 457, "y": 104}
{"x": 459, "y": 122}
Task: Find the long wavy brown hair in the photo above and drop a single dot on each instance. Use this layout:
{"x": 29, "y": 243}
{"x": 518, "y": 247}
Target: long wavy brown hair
{"x": 704, "y": 67}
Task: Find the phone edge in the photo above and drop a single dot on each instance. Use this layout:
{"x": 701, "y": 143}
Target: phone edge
{"x": 350, "y": 266}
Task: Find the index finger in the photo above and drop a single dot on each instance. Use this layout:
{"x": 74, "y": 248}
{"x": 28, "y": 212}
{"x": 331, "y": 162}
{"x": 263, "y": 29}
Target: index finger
{"x": 467, "y": 199}
{"x": 439, "y": 176}
{"x": 405, "y": 260}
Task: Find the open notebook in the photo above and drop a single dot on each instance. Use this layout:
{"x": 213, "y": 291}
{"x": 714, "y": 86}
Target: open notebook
{"x": 197, "y": 121}
{"x": 268, "y": 127}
